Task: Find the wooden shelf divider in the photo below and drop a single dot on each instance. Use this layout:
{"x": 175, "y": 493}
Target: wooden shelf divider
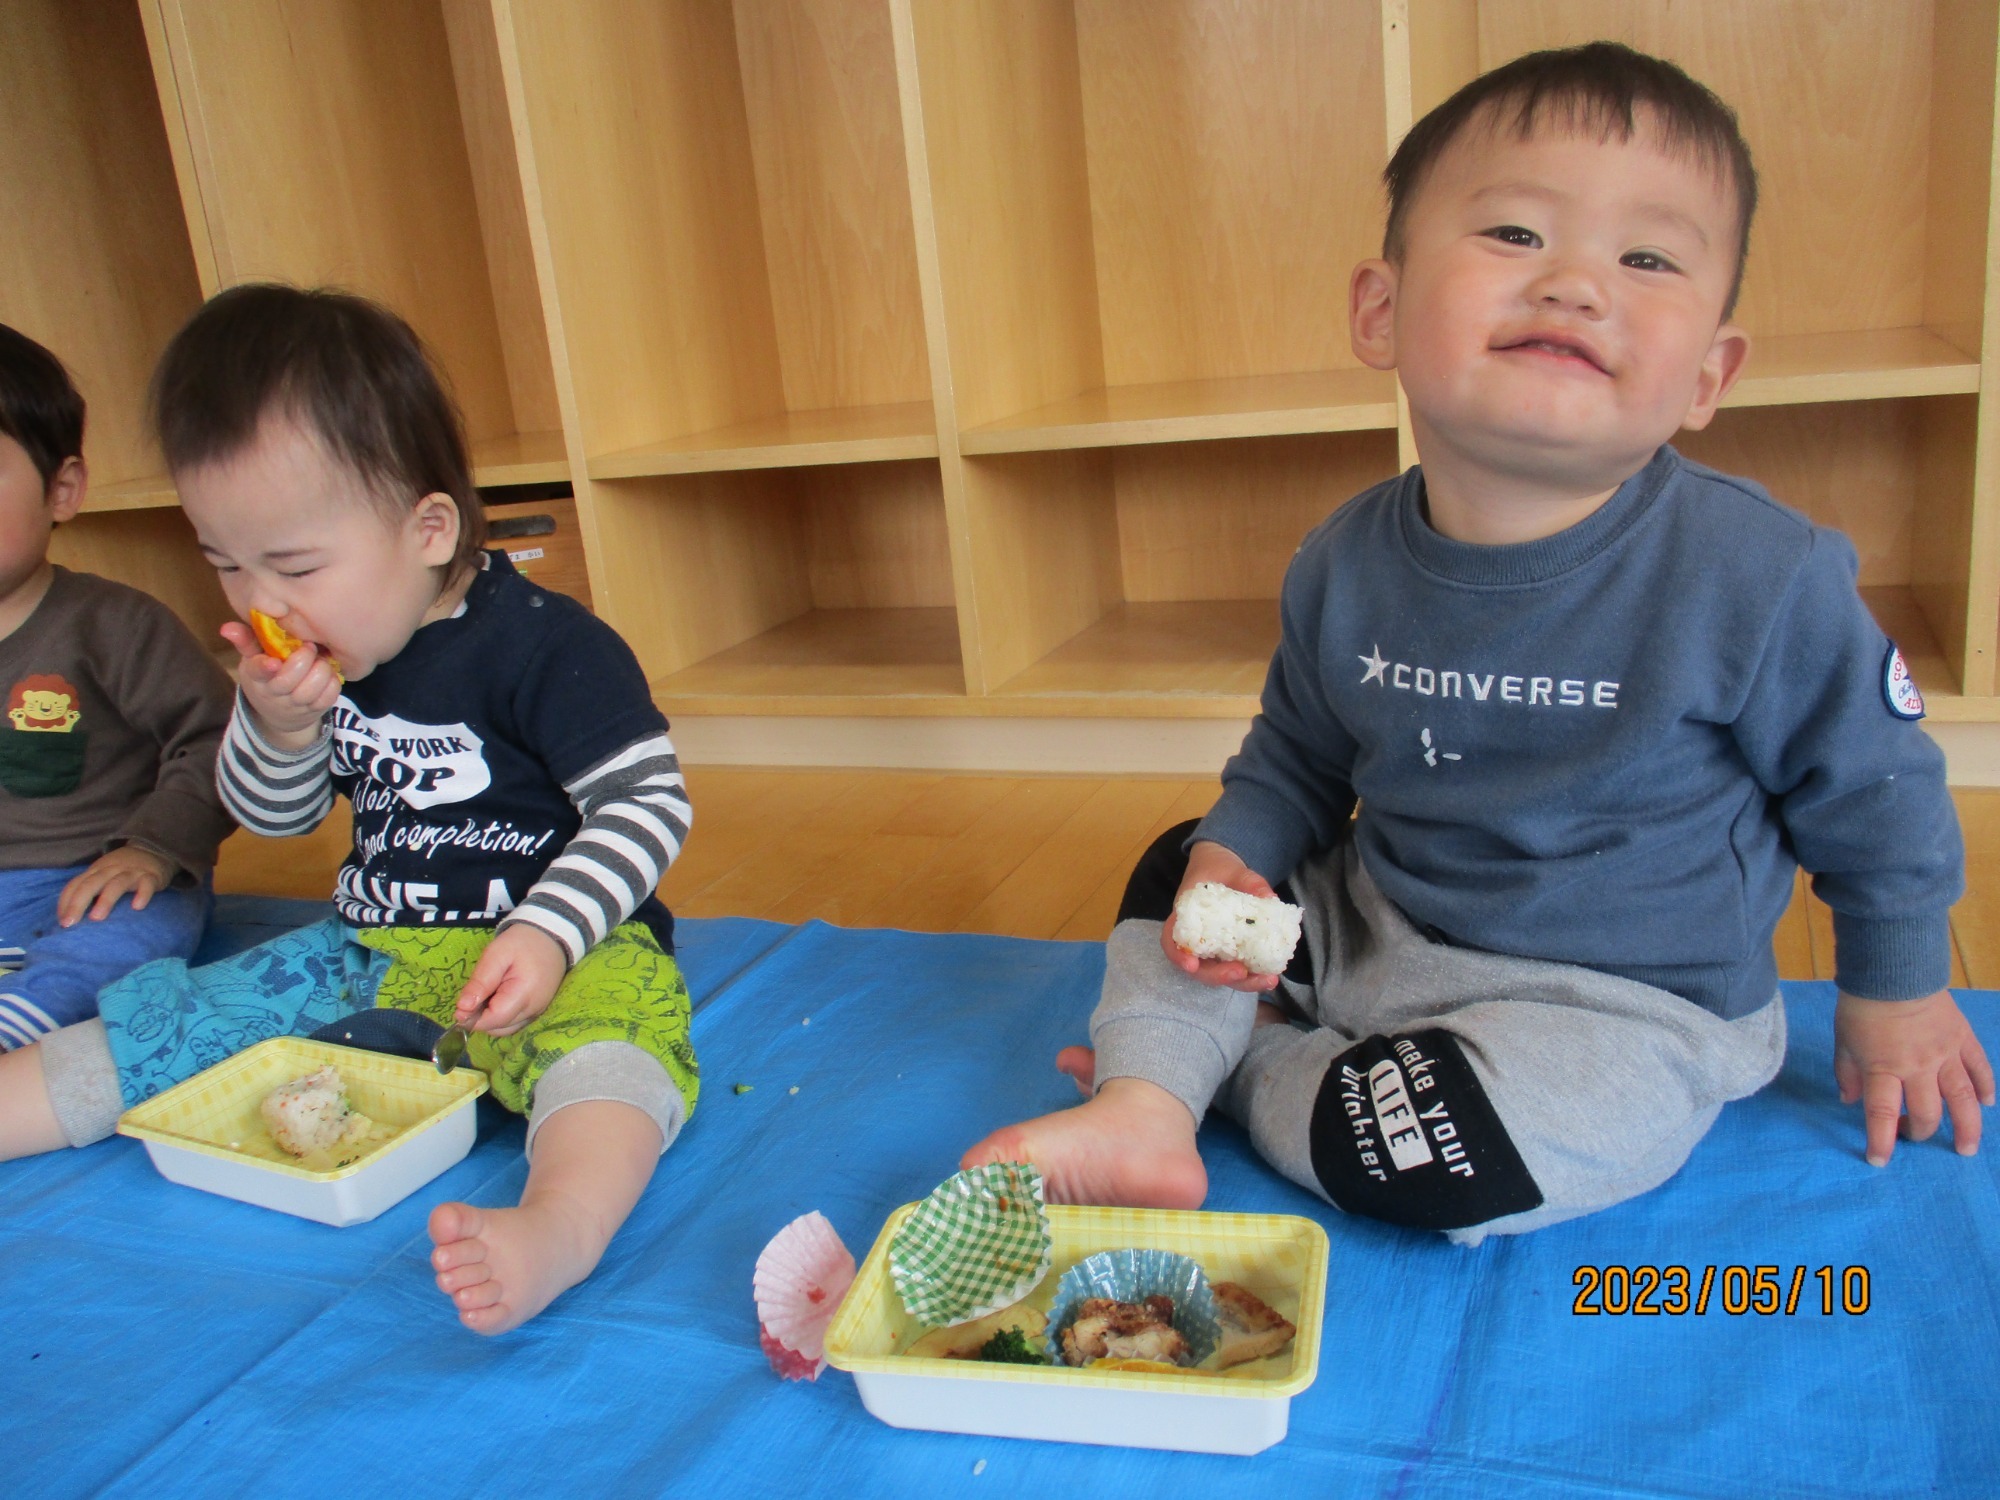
{"x": 1196, "y": 410}
{"x": 520, "y": 458}
{"x": 853, "y": 434}
{"x": 1869, "y": 365}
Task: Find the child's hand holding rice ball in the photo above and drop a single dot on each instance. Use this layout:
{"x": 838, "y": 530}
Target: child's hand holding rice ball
{"x": 1228, "y": 926}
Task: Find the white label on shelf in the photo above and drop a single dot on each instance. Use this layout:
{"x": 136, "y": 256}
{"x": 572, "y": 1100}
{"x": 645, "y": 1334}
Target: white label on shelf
{"x": 526, "y": 554}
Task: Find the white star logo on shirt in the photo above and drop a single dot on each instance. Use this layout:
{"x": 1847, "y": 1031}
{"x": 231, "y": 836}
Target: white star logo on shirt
{"x": 1376, "y": 667}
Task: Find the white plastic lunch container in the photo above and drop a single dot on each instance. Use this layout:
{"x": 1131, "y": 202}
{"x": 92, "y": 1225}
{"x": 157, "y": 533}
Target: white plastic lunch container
{"x": 209, "y": 1132}
{"x": 1283, "y": 1259}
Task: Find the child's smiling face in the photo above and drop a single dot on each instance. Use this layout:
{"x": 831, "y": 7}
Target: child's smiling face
{"x": 1558, "y": 310}
{"x": 295, "y": 533}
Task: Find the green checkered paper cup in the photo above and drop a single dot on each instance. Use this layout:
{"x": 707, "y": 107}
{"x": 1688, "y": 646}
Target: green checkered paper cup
{"x": 979, "y": 1243}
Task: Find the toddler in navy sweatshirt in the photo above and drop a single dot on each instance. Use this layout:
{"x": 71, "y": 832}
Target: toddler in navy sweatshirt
{"x": 1595, "y": 705}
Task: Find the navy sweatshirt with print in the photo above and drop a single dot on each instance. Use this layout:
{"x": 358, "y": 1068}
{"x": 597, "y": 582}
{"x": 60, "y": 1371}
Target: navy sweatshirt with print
{"x": 1609, "y": 747}
{"x": 507, "y": 765}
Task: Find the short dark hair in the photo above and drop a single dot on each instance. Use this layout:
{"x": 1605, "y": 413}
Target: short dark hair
{"x": 346, "y": 368}
{"x": 1599, "y": 86}
{"x": 40, "y": 406}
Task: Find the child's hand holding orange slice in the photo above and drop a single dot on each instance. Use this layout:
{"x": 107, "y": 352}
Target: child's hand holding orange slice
{"x": 279, "y": 642}
{"x": 288, "y": 695}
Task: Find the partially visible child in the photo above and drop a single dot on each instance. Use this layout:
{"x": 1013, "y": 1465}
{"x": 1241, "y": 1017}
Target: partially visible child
{"x": 516, "y": 798}
{"x": 1597, "y": 704}
{"x": 109, "y": 818}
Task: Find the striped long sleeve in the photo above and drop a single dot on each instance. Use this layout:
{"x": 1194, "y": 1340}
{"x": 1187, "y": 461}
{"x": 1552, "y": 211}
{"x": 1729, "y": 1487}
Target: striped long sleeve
{"x": 270, "y": 791}
{"x": 635, "y": 818}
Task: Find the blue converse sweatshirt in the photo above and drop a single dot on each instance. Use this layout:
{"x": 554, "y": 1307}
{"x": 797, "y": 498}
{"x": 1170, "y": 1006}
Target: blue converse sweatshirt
{"x": 1609, "y": 747}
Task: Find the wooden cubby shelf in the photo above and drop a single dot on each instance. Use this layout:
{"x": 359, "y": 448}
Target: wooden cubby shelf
{"x": 520, "y": 458}
{"x": 864, "y": 434}
{"x": 143, "y": 493}
{"x": 523, "y": 458}
{"x": 974, "y": 357}
{"x": 844, "y": 654}
{"x": 1196, "y": 410}
{"x": 1872, "y": 365}
{"x": 1187, "y": 657}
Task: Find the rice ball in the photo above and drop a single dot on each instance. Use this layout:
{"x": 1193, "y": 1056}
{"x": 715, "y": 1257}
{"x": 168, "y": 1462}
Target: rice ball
{"x": 312, "y": 1113}
{"x": 1213, "y": 921}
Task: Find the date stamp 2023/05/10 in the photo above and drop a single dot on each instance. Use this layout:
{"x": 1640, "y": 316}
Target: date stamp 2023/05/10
{"x": 1677, "y": 1291}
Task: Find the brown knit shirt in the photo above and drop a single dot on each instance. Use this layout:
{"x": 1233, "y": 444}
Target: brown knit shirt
{"x": 109, "y": 732}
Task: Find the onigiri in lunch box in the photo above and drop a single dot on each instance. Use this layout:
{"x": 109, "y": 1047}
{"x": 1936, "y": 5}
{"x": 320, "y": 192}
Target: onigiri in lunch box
{"x": 395, "y": 1124}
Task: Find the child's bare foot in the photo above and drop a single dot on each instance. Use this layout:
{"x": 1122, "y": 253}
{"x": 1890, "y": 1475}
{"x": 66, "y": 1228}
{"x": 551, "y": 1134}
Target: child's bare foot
{"x": 501, "y": 1266}
{"x": 1131, "y": 1146}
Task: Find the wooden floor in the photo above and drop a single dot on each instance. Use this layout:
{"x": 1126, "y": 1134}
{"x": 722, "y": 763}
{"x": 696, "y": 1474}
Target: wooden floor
{"x": 1027, "y": 856}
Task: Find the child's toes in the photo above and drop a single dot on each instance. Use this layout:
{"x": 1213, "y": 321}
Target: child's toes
{"x": 479, "y": 1295}
{"x": 1005, "y": 1145}
{"x": 449, "y": 1257}
{"x": 451, "y": 1254}
{"x": 488, "y": 1320}
{"x": 456, "y": 1279}
{"x": 1080, "y": 1063}
{"x": 451, "y": 1222}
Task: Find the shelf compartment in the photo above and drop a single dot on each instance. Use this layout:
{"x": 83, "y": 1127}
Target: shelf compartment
{"x": 1217, "y": 650}
{"x": 729, "y": 230}
{"x": 826, "y": 653}
{"x": 829, "y": 581}
{"x": 1196, "y": 410}
{"x": 365, "y": 146}
{"x": 520, "y": 458}
{"x": 96, "y": 264}
{"x": 866, "y": 434}
{"x": 1147, "y": 211}
{"x": 1097, "y": 572}
{"x": 1868, "y": 365}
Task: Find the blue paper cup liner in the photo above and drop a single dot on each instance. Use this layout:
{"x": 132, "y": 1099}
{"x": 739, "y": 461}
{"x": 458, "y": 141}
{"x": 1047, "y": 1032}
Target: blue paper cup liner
{"x": 1133, "y": 1276}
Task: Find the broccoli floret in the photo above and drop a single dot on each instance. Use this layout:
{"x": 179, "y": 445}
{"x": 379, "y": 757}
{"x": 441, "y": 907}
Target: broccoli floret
{"x": 1011, "y": 1347}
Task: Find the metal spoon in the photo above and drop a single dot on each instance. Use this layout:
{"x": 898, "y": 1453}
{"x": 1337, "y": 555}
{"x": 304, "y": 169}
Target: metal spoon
{"x": 450, "y": 1049}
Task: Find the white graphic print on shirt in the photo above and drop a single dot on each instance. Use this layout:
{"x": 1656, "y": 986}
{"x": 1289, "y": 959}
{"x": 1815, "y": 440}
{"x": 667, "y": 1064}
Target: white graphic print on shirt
{"x": 401, "y": 769}
{"x": 1526, "y": 689}
{"x": 1499, "y": 687}
{"x": 423, "y": 764}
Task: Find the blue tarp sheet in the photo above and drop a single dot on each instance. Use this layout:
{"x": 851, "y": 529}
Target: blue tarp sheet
{"x": 157, "y": 1340}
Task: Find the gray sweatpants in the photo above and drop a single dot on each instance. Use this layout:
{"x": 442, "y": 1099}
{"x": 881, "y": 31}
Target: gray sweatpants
{"x": 1432, "y": 1085}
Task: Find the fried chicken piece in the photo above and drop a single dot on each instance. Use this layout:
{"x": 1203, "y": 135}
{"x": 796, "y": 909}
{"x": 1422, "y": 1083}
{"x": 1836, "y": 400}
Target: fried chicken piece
{"x": 1105, "y": 1329}
{"x": 1250, "y": 1329}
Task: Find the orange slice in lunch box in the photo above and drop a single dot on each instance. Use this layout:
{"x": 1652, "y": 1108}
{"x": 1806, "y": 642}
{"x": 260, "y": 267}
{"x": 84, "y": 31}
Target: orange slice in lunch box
{"x": 278, "y": 641}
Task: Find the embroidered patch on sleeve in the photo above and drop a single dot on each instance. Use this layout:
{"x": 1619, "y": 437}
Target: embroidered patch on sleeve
{"x": 1899, "y": 688}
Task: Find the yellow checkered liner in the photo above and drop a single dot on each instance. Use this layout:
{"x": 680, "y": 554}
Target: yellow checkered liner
{"x": 1281, "y": 1258}
{"x": 217, "y": 1112}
